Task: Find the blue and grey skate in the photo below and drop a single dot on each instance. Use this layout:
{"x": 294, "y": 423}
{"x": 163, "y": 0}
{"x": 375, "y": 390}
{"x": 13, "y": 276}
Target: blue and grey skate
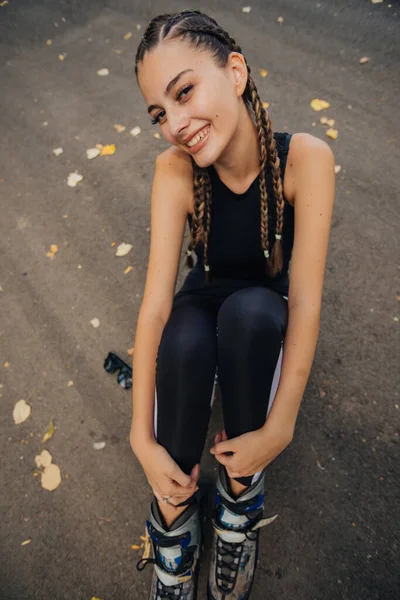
{"x": 176, "y": 553}
{"x": 234, "y": 551}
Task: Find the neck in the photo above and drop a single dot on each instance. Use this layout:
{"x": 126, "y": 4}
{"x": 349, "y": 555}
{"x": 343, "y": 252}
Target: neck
{"x": 240, "y": 160}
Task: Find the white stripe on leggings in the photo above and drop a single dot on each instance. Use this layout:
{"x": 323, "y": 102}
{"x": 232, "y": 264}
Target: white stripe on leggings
{"x": 274, "y": 388}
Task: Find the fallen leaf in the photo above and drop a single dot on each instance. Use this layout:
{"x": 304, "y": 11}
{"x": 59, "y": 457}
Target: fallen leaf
{"x": 49, "y": 432}
{"x": 130, "y": 351}
{"x": 74, "y": 179}
{"x": 157, "y": 136}
{"x": 95, "y": 598}
{"x": 99, "y": 146}
{"x": 119, "y": 128}
{"x": 95, "y": 322}
{"x": 21, "y": 412}
{"x": 138, "y": 27}
{"x": 62, "y": 56}
{"x": 51, "y": 477}
{"x": 376, "y": 1}
{"x": 265, "y": 105}
{"x": 263, "y": 72}
{"x": 127, "y": 270}
{"x": 49, "y": 42}
{"x": 6, "y": 365}
{"x": 58, "y": 151}
{"x": 70, "y": 383}
{"x": 107, "y": 150}
{"x": 135, "y": 547}
{"x": 326, "y": 121}
{"x": 123, "y": 249}
{"x": 103, "y": 72}
{"x": 135, "y": 131}
{"x": 43, "y": 459}
{"x": 147, "y": 545}
{"x": 92, "y": 153}
{"x": 318, "y": 104}
{"x": 53, "y": 248}
{"x": 28, "y": 541}
{"x": 280, "y": 19}
{"x": 128, "y": 35}
{"x": 332, "y": 133}
{"x": 246, "y": 9}
{"x": 364, "y": 60}
{"x": 338, "y": 168}
{"x": 99, "y": 445}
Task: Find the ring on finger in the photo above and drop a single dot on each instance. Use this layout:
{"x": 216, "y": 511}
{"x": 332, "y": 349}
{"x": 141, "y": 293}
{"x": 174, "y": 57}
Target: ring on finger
{"x": 166, "y": 499}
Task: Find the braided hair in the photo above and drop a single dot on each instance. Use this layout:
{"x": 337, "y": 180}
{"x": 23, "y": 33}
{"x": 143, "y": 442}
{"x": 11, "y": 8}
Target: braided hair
{"x": 201, "y": 31}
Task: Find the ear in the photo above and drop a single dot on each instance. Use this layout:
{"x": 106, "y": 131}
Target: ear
{"x": 238, "y": 68}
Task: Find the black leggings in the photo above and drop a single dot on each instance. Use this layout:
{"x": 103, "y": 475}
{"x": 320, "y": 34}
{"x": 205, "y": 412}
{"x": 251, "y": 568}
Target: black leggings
{"x": 235, "y": 336}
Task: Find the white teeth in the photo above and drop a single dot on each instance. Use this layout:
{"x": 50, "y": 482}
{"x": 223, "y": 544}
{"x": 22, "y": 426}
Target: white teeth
{"x": 197, "y": 138}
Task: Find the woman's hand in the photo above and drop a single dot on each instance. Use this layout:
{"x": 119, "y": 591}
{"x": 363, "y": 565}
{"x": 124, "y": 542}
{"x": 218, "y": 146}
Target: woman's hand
{"x": 164, "y": 475}
{"x": 253, "y": 451}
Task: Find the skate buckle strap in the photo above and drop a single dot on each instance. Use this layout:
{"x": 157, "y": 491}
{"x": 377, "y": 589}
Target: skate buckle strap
{"x": 170, "y": 579}
{"x": 238, "y": 537}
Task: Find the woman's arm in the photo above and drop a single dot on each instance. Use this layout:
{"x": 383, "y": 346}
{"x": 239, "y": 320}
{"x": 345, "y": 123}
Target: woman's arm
{"x": 172, "y": 190}
{"x": 313, "y": 166}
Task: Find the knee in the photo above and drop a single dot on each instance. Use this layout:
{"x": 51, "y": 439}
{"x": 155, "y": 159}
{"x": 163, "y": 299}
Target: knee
{"x": 253, "y": 310}
{"x": 185, "y": 340}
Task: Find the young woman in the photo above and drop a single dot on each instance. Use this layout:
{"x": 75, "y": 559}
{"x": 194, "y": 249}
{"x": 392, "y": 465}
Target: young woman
{"x": 254, "y": 200}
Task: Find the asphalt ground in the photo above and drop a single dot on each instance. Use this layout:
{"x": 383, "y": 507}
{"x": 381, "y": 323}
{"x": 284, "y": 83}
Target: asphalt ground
{"x": 336, "y": 487}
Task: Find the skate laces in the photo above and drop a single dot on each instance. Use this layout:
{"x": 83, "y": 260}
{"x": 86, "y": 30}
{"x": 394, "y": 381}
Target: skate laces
{"x": 229, "y": 553}
{"x": 180, "y": 574}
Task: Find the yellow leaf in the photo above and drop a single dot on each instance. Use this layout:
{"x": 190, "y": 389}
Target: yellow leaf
{"x": 332, "y": 133}
{"x": 99, "y": 146}
{"x": 127, "y": 270}
{"x": 94, "y": 598}
{"x": 51, "y": 477}
{"x": 6, "y": 365}
{"x": 157, "y": 136}
{"x": 318, "y": 104}
{"x": 107, "y": 150}
{"x": 26, "y": 542}
{"x": 280, "y": 19}
{"x": 62, "y": 56}
{"x": 21, "y": 412}
{"x": 128, "y": 35}
{"x": 135, "y": 547}
{"x": 49, "y": 432}
{"x": 263, "y": 72}
{"x": 119, "y": 128}
{"x": 70, "y": 383}
{"x": 265, "y": 105}
{"x": 49, "y": 42}
{"x": 54, "y": 248}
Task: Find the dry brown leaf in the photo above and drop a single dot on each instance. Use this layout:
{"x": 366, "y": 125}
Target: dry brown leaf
{"x": 49, "y": 432}
{"x": 119, "y": 128}
{"x": 51, "y": 477}
{"x": 21, "y": 412}
{"x": 318, "y": 104}
{"x": 135, "y": 547}
{"x": 107, "y": 150}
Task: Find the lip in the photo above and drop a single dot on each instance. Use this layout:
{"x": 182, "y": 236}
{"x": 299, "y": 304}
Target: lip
{"x": 201, "y": 143}
{"x": 190, "y": 137}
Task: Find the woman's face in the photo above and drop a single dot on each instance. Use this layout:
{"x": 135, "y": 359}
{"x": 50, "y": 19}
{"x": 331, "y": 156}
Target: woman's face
{"x": 195, "y": 103}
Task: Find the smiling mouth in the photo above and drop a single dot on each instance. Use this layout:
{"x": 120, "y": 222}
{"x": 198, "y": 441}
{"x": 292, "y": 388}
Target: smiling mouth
{"x": 198, "y": 137}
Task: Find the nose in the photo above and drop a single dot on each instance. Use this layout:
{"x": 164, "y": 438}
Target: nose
{"x": 178, "y": 122}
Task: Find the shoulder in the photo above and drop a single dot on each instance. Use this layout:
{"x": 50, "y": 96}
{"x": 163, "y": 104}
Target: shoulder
{"x": 306, "y": 153}
{"x": 174, "y": 167}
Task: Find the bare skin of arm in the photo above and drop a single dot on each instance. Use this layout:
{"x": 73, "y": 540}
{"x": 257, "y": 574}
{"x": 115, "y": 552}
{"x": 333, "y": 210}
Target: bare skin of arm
{"x": 172, "y": 193}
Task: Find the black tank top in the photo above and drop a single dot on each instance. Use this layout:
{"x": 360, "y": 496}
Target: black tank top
{"x": 235, "y": 254}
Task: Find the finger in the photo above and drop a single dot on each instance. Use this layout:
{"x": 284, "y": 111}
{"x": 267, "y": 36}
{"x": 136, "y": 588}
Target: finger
{"x": 227, "y": 446}
{"x": 180, "y": 477}
{"x": 194, "y": 475}
{"x": 224, "y": 459}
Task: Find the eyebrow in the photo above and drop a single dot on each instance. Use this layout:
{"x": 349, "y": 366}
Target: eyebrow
{"x": 169, "y": 87}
